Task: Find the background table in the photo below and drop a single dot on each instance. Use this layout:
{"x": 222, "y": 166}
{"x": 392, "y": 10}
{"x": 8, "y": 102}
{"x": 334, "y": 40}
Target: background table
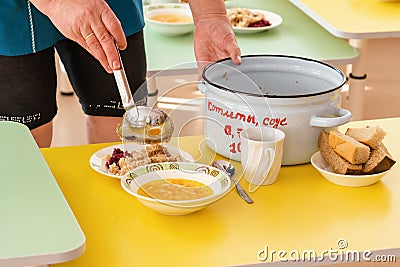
{"x": 301, "y": 211}
{"x": 298, "y": 35}
{"x": 36, "y": 224}
{"x": 358, "y": 21}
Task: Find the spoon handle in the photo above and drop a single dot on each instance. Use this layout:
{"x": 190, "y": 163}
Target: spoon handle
{"x": 243, "y": 194}
{"x": 230, "y": 171}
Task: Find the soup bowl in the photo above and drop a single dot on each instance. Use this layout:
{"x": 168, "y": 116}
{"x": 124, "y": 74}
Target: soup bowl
{"x": 176, "y": 188}
{"x": 170, "y": 19}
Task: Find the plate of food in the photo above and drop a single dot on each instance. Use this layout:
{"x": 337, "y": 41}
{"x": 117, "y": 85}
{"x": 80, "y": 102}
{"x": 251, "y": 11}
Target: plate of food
{"x": 245, "y": 20}
{"x": 117, "y": 160}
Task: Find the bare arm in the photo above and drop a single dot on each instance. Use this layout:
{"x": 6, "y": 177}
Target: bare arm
{"x": 214, "y": 37}
{"x": 78, "y": 19}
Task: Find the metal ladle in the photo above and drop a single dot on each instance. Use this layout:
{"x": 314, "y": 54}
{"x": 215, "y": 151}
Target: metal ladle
{"x": 140, "y": 124}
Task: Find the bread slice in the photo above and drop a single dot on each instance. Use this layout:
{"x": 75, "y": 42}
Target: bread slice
{"x": 338, "y": 164}
{"x": 379, "y": 161}
{"x": 371, "y": 136}
{"x": 350, "y": 149}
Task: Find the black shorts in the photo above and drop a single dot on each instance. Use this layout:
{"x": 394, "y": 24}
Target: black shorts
{"x": 28, "y": 83}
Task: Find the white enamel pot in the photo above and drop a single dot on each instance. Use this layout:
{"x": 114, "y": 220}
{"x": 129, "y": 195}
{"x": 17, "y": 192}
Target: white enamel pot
{"x": 297, "y": 95}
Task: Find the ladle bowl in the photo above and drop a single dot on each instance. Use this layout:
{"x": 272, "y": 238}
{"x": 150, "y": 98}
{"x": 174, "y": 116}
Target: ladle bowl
{"x": 145, "y": 125}
{"x": 140, "y": 124}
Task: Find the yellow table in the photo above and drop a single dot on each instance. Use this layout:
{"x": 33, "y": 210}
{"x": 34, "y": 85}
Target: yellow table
{"x": 358, "y": 20}
{"x": 301, "y": 211}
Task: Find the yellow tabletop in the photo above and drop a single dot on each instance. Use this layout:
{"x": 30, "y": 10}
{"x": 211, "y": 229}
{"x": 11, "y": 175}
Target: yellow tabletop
{"x": 301, "y": 211}
{"x": 355, "y": 19}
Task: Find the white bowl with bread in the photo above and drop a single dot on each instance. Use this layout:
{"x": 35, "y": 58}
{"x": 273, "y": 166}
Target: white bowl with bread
{"x": 356, "y": 158}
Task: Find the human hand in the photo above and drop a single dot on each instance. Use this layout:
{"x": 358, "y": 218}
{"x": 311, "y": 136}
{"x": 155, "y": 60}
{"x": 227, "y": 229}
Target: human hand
{"x": 90, "y": 23}
{"x": 214, "y": 39}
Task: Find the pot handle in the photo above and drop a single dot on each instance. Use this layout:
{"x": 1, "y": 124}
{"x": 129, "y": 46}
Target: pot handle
{"x": 342, "y": 116}
{"x": 201, "y": 85}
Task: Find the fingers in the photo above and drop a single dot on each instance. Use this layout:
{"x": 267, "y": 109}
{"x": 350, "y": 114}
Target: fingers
{"x": 90, "y": 23}
{"x": 212, "y": 49}
{"x": 99, "y": 40}
{"x": 113, "y": 26}
{"x": 234, "y": 53}
{"x": 89, "y": 35}
{"x": 232, "y": 48}
{"x": 92, "y": 43}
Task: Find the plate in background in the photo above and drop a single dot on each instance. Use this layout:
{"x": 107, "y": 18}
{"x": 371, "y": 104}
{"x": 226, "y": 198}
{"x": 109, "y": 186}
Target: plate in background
{"x": 272, "y": 17}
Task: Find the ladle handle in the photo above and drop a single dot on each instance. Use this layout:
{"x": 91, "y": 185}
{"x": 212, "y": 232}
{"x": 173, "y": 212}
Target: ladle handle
{"x": 123, "y": 85}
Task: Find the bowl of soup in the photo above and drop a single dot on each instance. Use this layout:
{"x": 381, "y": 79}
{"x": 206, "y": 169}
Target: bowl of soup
{"x": 176, "y": 188}
{"x": 170, "y": 19}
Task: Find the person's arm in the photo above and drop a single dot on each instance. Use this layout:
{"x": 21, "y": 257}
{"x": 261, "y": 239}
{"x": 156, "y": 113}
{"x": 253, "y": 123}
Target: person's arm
{"x": 214, "y": 37}
{"x": 90, "y": 23}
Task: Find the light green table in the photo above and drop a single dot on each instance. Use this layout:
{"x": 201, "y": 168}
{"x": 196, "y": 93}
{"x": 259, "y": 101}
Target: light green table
{"x": 298, "y": 35}
{"x": 36, "y": 224}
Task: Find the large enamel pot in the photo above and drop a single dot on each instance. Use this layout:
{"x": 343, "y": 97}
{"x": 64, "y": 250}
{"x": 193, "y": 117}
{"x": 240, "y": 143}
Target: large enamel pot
{"x": 297, "y": 95}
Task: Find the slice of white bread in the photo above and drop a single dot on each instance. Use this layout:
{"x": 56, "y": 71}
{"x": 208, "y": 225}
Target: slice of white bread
{"x": 337, "y": 163}
{"x": 350, "y": 149}
{"x": 371, "y": 136}
{"x": 379, "y": 161}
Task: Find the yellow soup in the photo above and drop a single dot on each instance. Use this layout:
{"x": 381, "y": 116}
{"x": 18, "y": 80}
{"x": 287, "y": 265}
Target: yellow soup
{"x": 172, "y": 18}
{"x": 175, "y": 189}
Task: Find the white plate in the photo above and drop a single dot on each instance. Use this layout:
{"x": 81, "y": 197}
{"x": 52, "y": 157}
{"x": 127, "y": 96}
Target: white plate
{"x": 273, "y": 18}
{"x": 319, "y": 163}
{"x": 96, "y": 160}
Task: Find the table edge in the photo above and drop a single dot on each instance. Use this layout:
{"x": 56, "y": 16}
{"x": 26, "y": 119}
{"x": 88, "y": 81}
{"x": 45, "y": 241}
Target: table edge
{"x": 338, "y": 33}
{"x": 45, "y": 258}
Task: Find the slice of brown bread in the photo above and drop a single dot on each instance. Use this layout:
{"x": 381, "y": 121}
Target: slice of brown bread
{"x": 379, "y": 161}
{"x": 371, "y": 136}
{"x": 350, "y": 149}
{"x": 338, "y": 164}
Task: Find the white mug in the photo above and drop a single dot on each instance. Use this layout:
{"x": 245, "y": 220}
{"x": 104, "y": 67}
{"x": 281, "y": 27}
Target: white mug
{"x": 261, "y": 155}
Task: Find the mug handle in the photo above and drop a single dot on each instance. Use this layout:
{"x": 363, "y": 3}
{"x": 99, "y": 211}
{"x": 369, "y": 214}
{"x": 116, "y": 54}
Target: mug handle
{"x": 271, "y": 153}
{"x": 266, "y": 152}
{"x": 343, "y": 116}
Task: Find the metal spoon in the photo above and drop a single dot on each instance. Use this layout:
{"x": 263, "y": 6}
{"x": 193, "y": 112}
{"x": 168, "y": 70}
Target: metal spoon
{"x": 230, "y": 170}
{"x": 140, "y": 124}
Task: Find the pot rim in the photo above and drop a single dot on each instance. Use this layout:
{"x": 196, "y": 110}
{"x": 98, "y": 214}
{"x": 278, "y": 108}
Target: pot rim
{"x": 276, "y": 96}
